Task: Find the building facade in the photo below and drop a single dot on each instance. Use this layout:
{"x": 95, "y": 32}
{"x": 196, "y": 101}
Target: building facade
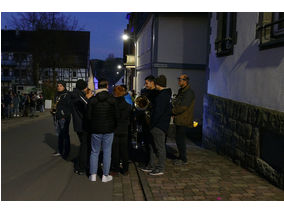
{"x": 244, "y": 105}
{"x": 30, "y": 58}
{"x": 170, "y": 44}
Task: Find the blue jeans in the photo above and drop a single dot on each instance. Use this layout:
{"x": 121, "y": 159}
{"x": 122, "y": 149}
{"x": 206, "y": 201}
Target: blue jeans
{"x": 96, "y": 141}
{"x": 63, "y": 137}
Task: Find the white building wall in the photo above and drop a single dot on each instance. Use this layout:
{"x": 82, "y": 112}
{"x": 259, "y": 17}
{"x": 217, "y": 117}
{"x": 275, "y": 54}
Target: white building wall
{"x": 183, "y": 39}
{"x": 249, "y": 75}
{"x": 141, "y": 75}
{"x": 143, "y": 45}
{"x": 197, "y": 83}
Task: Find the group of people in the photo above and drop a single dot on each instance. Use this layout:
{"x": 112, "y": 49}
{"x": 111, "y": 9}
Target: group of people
{"x": 103, "y": 121}
{"x": 19, "y": 105}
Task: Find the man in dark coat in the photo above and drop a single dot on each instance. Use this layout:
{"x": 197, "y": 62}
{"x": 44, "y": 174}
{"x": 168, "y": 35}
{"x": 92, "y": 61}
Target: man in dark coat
{"x": 62, "y": 119}
{"x": 159, "y": 125}
{"x": 102, "y": 115}
{"x": 120, "y": 142}
{"x": 79, "y": 110}
{"x": 183, "y": 108}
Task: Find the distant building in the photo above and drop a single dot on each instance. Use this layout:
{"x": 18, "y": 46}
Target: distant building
{"x": 168, "y": 44}
{"x": 62, "y": 55}
{"x": 244, "y": 107}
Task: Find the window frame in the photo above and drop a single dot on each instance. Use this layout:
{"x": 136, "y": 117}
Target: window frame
{"x": 226, "y": 33}
{"x": 265, "y": 31}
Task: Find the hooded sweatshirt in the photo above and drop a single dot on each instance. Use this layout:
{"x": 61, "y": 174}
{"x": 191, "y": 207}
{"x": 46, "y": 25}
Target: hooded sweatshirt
{"x": 161, "y": 110}
{"x": 102, "y": 113}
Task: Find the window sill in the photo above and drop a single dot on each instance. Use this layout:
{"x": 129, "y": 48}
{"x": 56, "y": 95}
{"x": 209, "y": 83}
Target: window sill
{"x": 272, "y": 44}
{"x": 225, "y": 53}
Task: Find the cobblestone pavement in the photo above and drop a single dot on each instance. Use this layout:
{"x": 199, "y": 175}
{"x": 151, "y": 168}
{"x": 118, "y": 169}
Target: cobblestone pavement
{"x": 210, "y": 177}
{"x": 127, "y": 187}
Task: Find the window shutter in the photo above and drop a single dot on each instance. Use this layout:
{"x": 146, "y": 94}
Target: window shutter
{"x": 220, "y": 28}
{"x": 234, "y": 27}
{"x": 266, "y": 32}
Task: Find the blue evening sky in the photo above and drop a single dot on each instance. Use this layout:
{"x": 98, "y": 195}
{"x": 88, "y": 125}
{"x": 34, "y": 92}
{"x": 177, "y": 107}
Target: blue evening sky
{"x": 105, "y": 31}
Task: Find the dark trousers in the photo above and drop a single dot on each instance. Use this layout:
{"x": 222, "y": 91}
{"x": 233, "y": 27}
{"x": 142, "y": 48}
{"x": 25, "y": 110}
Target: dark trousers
{"x": 157, "y": 148}
{"x": 63, "y": 137}
{"x": 120, "y": 152}
{"x": 84, "y": 153}
{"x": 181, "y": 142}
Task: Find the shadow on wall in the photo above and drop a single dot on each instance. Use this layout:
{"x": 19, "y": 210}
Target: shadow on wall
{"x": 255, "y": 58}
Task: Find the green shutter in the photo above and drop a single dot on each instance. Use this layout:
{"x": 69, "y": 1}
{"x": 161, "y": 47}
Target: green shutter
{"x": 266, "y": 32}
{"x": 219, "y": 37}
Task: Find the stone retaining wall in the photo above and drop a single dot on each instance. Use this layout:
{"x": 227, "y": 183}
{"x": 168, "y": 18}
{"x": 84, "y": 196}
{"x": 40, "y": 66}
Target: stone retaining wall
{"x": 233, "y": 128}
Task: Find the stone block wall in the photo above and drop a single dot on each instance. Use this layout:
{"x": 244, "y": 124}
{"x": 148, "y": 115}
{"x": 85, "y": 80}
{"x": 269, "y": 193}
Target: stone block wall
{"x": 233, "y": 128}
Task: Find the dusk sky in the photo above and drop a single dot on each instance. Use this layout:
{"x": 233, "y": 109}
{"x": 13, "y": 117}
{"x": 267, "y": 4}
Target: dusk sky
{"x": 105, "y": 31}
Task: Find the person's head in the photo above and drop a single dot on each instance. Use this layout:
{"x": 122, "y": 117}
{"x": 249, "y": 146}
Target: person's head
{"x": 119, "y": 91}
{"x": 82, "y": 85}
{"x": 103, "y": 84}
{"x": 61, "y": 85}
{"x": 161, "y": 82}
{"x": 183, "y": 80}
{"x": 124, "y": 86}
{"x": 150, "y": 82}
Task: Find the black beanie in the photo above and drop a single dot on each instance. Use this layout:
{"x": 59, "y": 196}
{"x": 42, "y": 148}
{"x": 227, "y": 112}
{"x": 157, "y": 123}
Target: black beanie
{"x": 81, "y": 84}
{"x": 62, "y": 82}
{"x": 161, "y": 81}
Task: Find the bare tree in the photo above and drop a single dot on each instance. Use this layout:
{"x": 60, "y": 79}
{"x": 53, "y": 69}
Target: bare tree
{"x": 43, "y": 21}
{"x": 51, "y": 51}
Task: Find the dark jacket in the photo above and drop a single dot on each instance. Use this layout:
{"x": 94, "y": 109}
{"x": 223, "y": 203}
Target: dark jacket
{"x": 124, "y": 116}
{"x": 63, "y": 105}
{"x": 79, "y": 110}
{"x": 183, "y": 107}
{"x": 102, "y": 113}
{"x": 161, "y": 110}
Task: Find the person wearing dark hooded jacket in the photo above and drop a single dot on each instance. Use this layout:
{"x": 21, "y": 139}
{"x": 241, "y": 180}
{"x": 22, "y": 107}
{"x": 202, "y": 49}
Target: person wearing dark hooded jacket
{"x": 120, "y": 142}
{"x": 79, "y": 109}
{"x": 159, "y": 125}
{"x": 62, "y": 119}
{"x": 102, "y": 117}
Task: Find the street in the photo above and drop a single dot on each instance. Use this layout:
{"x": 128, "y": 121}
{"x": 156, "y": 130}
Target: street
{"x": 31, "y": 173}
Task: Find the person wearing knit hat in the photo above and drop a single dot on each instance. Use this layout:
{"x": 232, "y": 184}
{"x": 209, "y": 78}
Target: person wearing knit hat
{"x": 62, "y": 117}
{"x": 62, "y": 83}
{"x": 79, "y": 107}
{"x": 81, "y": 84}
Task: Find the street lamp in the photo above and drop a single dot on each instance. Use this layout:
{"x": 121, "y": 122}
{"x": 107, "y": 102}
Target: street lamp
{"x": 119, "y": 67}
{"x": 125, "y": 37}
{"x": 117, "y": 73}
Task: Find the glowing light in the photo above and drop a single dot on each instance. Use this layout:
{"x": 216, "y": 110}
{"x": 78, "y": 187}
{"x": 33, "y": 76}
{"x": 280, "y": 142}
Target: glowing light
{"x": 119, "y": 66}
{"x": 125, "y": 37}
{"x": 195, "y": 123}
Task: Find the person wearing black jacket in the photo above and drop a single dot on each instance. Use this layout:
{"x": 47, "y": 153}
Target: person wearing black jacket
{"x": 62, "y": 119}
{"x": 102, "y": 115}
{"x": 160, "y": 121}
{"x": 120, "y": 142}
{"x": 79, "y": 109}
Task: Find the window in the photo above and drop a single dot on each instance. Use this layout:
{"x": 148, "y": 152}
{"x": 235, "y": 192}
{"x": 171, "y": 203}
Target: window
{"x": 270, "y": 30}
{"x": 226, "y": 34}
{"x": 74, "y": 74}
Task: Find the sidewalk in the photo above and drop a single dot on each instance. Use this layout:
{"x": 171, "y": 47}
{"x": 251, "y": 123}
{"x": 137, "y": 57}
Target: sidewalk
{"x": 207, "y": 177}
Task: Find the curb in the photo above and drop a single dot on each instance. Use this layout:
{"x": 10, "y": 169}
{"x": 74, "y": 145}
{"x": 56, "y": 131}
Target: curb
{"x": 144, "y": 184}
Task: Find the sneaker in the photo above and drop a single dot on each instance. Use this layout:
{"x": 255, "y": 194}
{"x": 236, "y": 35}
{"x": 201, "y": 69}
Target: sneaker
{"x": 146, "y": 169}
{"x": 106, "y": 178}
{"x": 180, "y": 162}
{"x": 156, "y": 172}
{"x": 56, "y": 154}
{"x": 93, "y": 177}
